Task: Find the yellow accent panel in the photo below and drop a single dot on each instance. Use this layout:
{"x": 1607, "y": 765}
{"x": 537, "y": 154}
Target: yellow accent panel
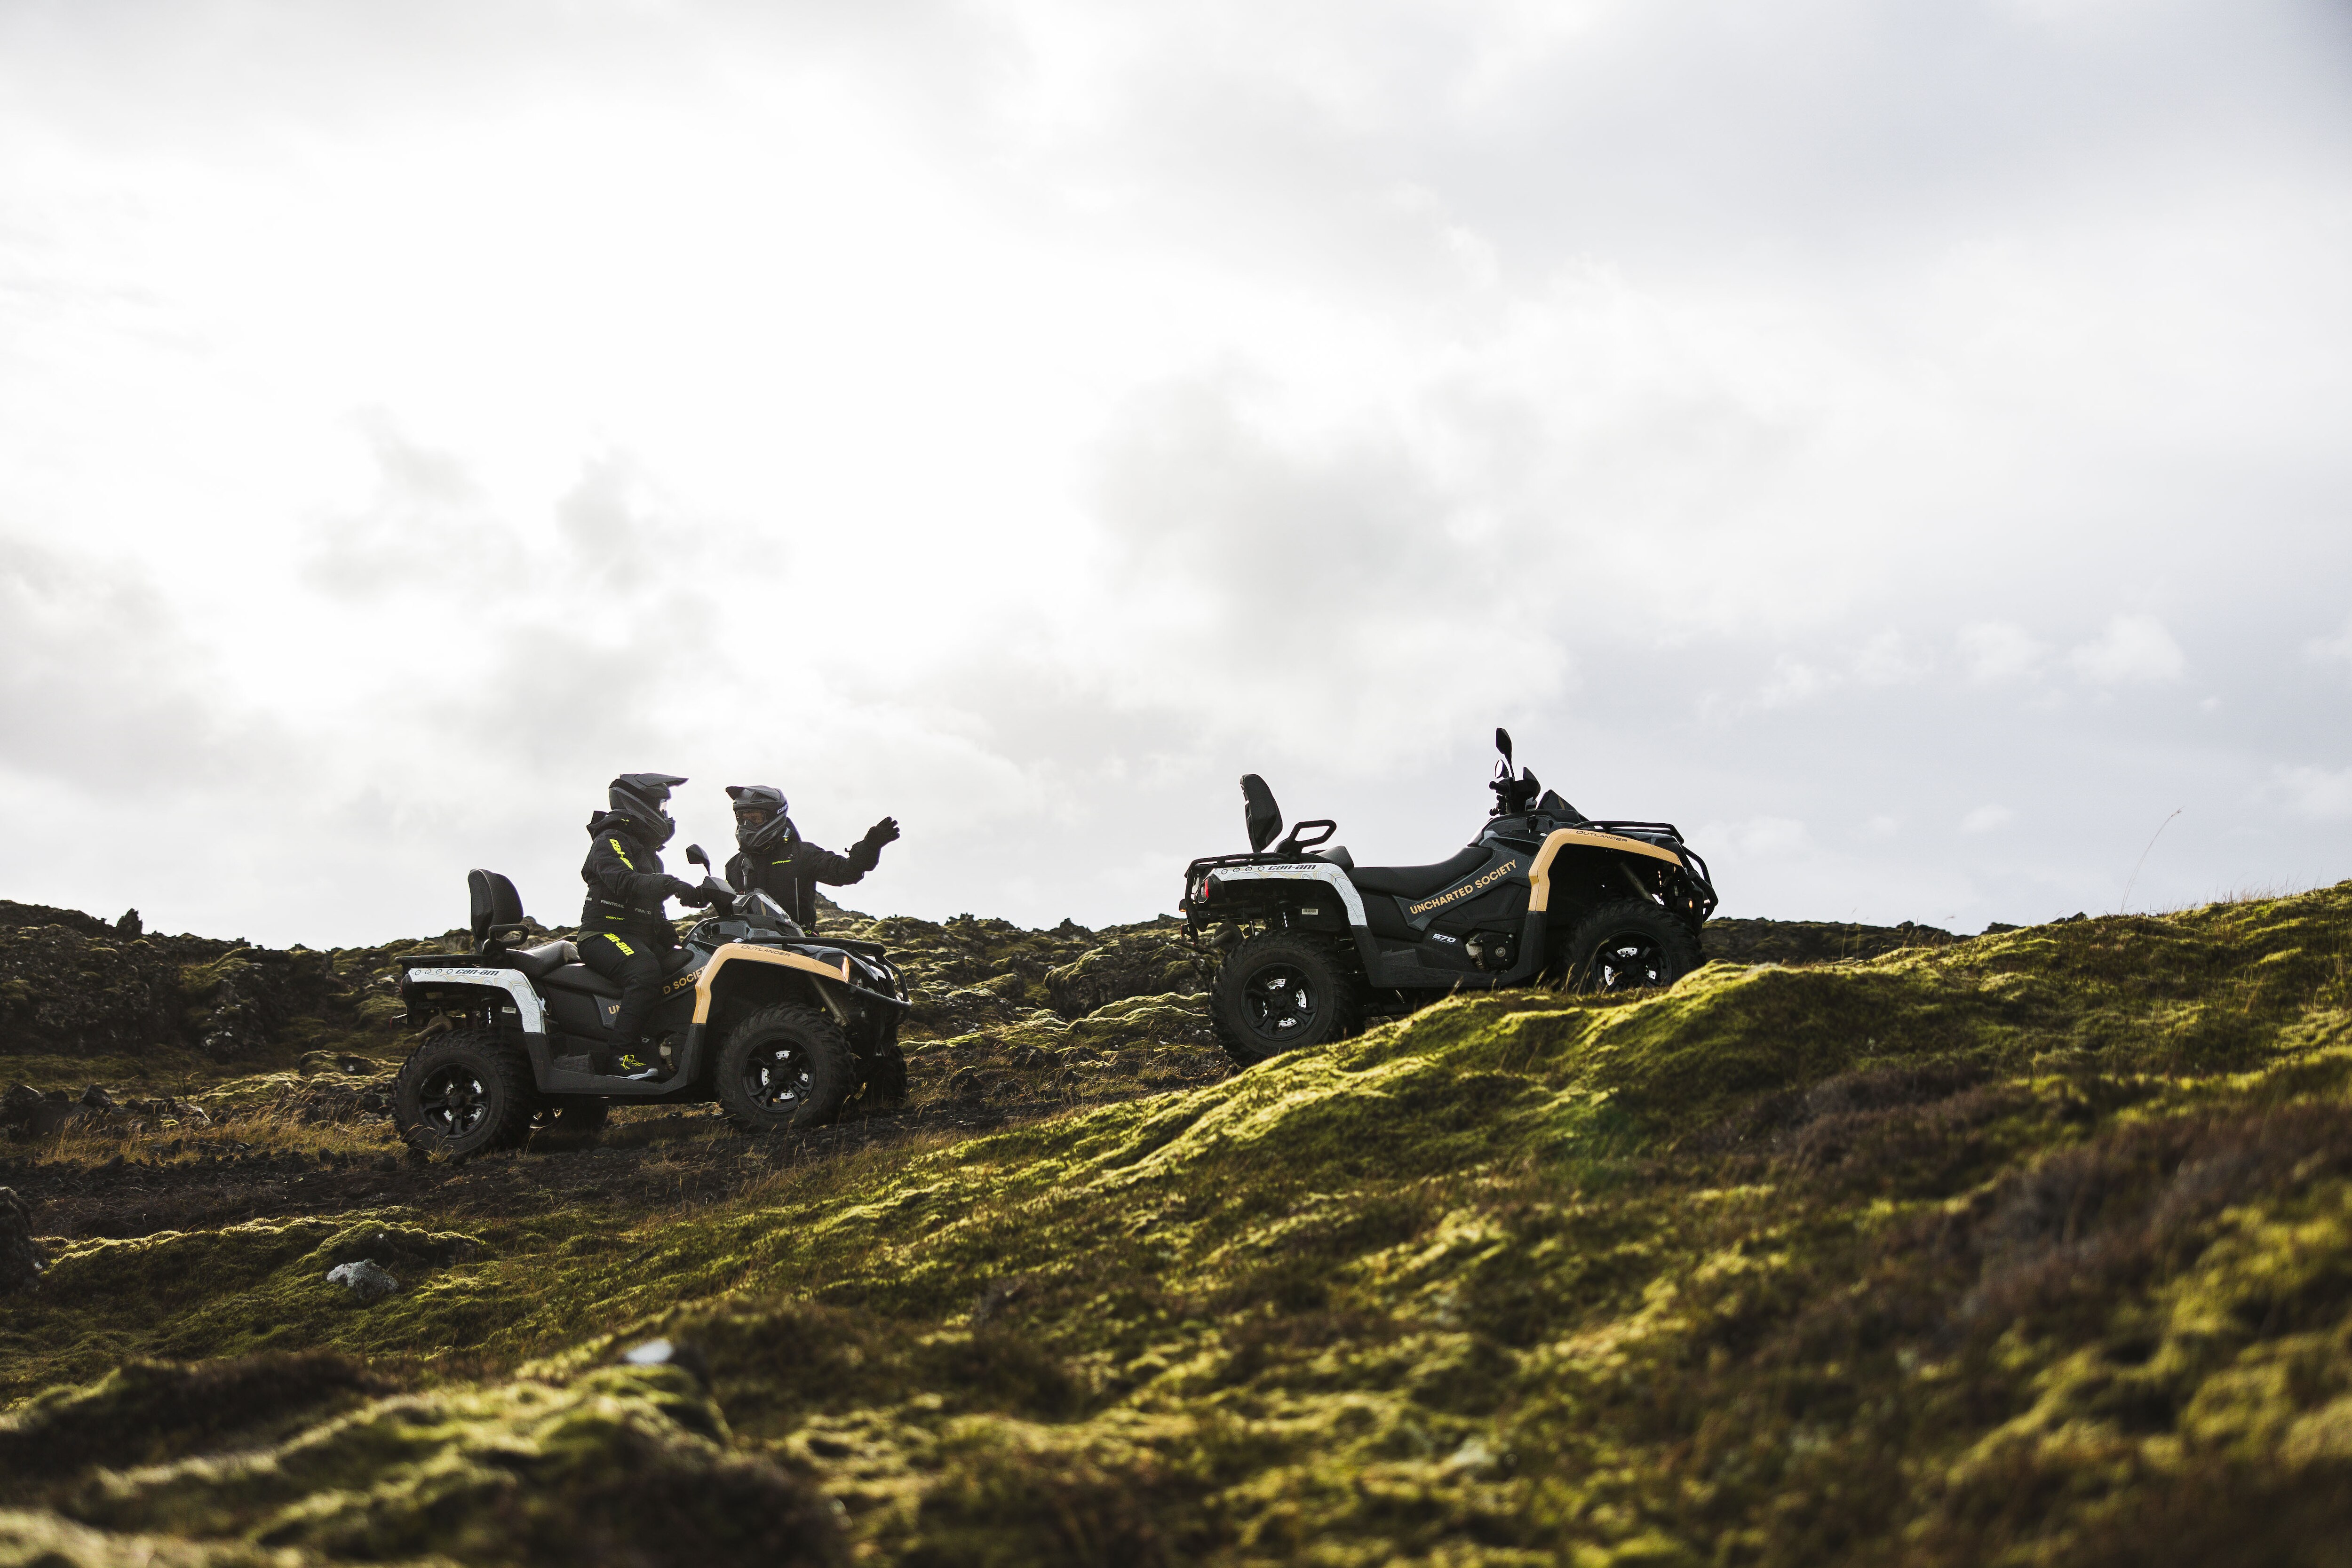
{"x": 622, "y": 853}
{"x": 735, "y": 949}
{"x": 1540, "y": 874}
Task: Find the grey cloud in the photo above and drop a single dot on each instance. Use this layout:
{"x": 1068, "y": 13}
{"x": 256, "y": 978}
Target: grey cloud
{"x": 614, "y": 531}
{"x": 2132, "y": 648}
{"x": 1187, "y": 487}
{"x": 1333, "y": 579}
{"x": 599, "y": 648}
{"x": 2335, "y": 650}
{"x": 427, "y": 525}
{"x": 101, "y": 688}
{"x": 1704, "y": 138}
{"x": 2316, "y": 792}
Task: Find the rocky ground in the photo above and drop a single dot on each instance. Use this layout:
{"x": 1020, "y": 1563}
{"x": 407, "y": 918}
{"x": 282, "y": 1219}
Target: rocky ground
{"x": 1861, "y": 1245}
{"x": 1008, "y": 1025}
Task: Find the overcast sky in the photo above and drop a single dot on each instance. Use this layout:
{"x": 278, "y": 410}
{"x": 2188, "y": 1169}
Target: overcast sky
{"x": 1907, "y": 446}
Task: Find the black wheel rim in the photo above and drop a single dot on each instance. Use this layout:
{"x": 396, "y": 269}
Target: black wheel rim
{"x": 776, "y": 1078}
{"x": 1280, "y": 1003}
{"x": 454, "y": 1100}
{"x": 1629, "y": 961}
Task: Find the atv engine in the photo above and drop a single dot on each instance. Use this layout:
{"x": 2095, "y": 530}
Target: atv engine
{"x": 1493, "y": 949}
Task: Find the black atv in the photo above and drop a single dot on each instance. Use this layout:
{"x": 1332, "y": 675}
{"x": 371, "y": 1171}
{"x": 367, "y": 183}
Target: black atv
{"x": 1315, "y": 943}
{"x": 780, "y": 1028}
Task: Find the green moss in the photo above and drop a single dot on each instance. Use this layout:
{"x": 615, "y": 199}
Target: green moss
{"x": 43, "y": 1539}
{"x": 629, "y": 1464}
{"x": 2032, "y": 1249}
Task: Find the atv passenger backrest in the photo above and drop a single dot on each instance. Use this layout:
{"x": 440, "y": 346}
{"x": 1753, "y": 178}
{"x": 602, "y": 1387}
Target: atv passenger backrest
{"x": 1259, "y": 814}
{"x": 497, "y": 910}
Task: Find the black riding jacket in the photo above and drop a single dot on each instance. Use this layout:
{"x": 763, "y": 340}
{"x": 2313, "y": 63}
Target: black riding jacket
{"x": 789, "y": 870}
{"x": 626, "y": 884}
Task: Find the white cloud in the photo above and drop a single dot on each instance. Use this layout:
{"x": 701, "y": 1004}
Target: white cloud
{"x": 1995, "y": 650}
{"x": 1794, "y": 681}
{"x": 2132, "y": 649}
{"x": 1987, "y": 819}
{"x": 2336, "y": 649}
{"x": 1886, "y": 660}
{"x": 1759, "y": 837}
{"x": 2316, "y": 792}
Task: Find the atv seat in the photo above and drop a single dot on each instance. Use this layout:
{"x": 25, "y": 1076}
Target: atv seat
{"x": 573, "y": 976}
{"x": 1338, "y": 855}
{"x": 580, "y": 977}
{"x": 1413, "y": 881}
{"x": 544, "y": 959}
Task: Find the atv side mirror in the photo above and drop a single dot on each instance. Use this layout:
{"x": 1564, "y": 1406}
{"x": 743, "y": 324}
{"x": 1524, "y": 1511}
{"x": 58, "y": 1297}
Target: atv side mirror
{"x": 694, "y": 853}
{"x": 1503, "y": 743}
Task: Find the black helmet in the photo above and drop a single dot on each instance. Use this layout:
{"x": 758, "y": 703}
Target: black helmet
{"x": 759, "y": 818}
{"x": 640, "y": 798}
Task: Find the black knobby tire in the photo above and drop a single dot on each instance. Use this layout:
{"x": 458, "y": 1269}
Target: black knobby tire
{"x": 580, "y": 1119}
{"x": 784, "y": 1067}
{"x": 1629, "y": 945}
{"x": 1279, "y": 990}
{"x": 463, "y": 1092}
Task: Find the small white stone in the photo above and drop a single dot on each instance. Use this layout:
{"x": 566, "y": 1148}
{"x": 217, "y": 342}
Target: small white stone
{"x": 1473, "y": 1456}
{"x": 363, "y": 1279}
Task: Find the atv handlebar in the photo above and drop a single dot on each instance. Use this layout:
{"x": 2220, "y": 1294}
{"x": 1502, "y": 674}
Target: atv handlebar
{"x": 716, "y": 894}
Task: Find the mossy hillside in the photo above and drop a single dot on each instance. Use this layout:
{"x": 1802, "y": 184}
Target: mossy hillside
{"x": 2028, "y": 1248}
{"x": 1134, "y": 1046}
{"x": 248, "y": 1289}
{"x": 623, "y": 1464}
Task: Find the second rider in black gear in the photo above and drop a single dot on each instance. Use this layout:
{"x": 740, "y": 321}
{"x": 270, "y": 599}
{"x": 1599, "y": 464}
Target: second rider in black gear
{"x": 625, "y": 933}
{"x": 773, "y": 857}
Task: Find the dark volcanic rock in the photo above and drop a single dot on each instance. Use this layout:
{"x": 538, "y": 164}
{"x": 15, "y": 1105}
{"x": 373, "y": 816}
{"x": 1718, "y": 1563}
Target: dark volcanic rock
{"x": 72, "y": 985}
{"x": 20, "y": 1260}
{"x": 67, "y": 990}
{"x": 238, "y": 1004}
{"x": 1154, "y": 961}
{"x": 1811, "y": 941}
{"x": 14, "y": 915}
{"x": 967, "y": 974}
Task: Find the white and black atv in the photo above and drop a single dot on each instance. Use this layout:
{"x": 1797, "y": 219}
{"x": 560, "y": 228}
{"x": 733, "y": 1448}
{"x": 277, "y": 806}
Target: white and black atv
{"x": 780, "y": 1028}
{"x": 1315, "y": 943}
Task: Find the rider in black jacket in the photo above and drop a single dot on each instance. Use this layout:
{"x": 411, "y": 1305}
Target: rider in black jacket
{"x": 773, "y": 858}
{"x": 625, "y": 933}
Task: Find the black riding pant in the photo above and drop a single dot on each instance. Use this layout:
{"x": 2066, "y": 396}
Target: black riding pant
{"x": 636, "y": 965}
